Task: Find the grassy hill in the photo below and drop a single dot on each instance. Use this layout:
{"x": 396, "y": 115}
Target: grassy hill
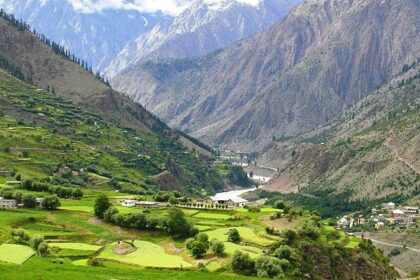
{"x": 72, "y": 119}
{"x": 44, "y": 136}
{"x": 368, "y": 153}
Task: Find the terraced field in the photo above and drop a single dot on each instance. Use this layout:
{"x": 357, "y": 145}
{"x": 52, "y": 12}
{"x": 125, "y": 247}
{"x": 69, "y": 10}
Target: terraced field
{"x": 15, "y": 254}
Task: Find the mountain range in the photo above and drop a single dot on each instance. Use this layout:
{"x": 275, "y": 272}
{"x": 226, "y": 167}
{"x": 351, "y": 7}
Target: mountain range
{"x": 323, "y": 57}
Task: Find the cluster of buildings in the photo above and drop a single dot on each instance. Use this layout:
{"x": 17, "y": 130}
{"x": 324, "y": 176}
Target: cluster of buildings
{"x": 12, "y": 203}
{"x": 130, "y": 202}
{"x": 386, "y": 214}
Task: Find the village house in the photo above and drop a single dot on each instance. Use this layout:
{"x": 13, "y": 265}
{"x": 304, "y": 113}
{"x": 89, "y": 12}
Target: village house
{"x": 8, "y": 203}
{"x": 399, "y": 216}
{"x": 137, "y": 203}
{"x": 344, "y": 222}
{"x": 389, "y": 206}
{"x": 379, "y": 225}
{"x": 410, "y": 210}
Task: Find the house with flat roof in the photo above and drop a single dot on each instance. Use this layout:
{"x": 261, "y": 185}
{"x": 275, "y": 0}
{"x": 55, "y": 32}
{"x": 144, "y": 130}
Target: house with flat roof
{"x": 8, "y": 203}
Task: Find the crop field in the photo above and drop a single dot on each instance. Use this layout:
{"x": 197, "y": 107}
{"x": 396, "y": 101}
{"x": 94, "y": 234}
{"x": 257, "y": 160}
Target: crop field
{"x": 247, "y": 235}
{"x": 15, "y": 254}
{"x": 215, "y": 216}
{"x": 75, "y": 246}
{"x": 253, "y": 252}
{"x": 146, "y": 254}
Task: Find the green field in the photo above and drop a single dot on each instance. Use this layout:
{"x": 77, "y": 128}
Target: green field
{"x": 247, "y": 235}
{"x": 147, "y": 254}
{"x": 253, "y": 252}
{"x": 15, "y": 254}
{"x": 75, "y": 246}
{"x": 215, "y": 216}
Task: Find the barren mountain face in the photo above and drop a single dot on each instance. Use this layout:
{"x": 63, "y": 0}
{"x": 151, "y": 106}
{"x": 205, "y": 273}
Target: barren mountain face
{"x": 323, "y": 57}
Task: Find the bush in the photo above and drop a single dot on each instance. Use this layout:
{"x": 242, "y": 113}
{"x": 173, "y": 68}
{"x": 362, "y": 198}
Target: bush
{"x": 20, "y": 235}
{"x": 394, "y": 252}
{"x": 309, "y": 229}
{"x": 28, "y": 201}
{"x": 101, "y": 205}
{"x": 269, "y": 267}
{"x": 36, "y": 240}
{"x": 43, "y": 249}
{"x": 198, "y": 249}
{"x": 242, "y": 263}
{"x": 50, "y": 202}
{"x": 109, "y": 213}
{"x": 218, "y": 248}
{"x": 290, "y": 235}
{"x": 233, "y": 236}
{"x": 283, "y": 252}
{"x": 279, "y": 204}
{"x": 95, "y": 262}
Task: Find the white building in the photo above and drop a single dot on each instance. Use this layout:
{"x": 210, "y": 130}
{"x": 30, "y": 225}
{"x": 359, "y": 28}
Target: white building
{"x": 128, "y": 202}
{"x": 8, "y": 203}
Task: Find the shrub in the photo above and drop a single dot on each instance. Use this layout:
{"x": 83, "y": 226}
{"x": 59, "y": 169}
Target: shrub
{"x": 242, "y": 263}
{"x": 279, "y": 204}
{"x": 290, "y": 236}
{"x": 233, "y": 236}
{"x": 50, "y": 202}
{"x": 109, "y": 213}
{"x": 310, "y": 229}
{"x": 198, "y": 249}
{"x": 101, "y": 205}
{"x": 43, "y": 249}
{"x": 269, "y": 267}
{"x": 283, "y": 252}
{"x": 28, "y": 201}
{"x": 36, "y": 240}
{"x": 218, "y": 248}
{"x": 20, "y": 235}
{"x": 95, "y": 262}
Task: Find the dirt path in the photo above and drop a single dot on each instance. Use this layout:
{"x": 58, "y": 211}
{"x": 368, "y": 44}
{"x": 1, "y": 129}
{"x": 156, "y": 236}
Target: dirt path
{"x": 389, "y": 244}
{"x": 397, "y": 156}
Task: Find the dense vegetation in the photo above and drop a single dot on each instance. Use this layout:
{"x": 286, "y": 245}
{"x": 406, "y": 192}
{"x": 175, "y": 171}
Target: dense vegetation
{"x": 64, "y": 145}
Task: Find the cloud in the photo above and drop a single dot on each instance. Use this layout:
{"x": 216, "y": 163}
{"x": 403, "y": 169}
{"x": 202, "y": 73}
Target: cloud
{"x": 169, "y": 7}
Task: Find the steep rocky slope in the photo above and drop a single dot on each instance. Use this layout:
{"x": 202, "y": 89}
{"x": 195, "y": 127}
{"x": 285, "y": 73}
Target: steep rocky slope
{"x": 326, "y": 55}
{"x": 369, "y": 152}
{"x": 203, "y": 27}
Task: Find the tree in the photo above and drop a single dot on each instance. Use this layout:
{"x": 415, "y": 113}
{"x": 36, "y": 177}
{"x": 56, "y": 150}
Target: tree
{"x": 268, "y": 267}
{"x": 50, "y": 202}
{"x": 290, "y": 236}
{"x": 77, "y": 193}
{"x": 283, "y": 252}
{"x": 218, "y": 248}
{"x": 176, "y": 224}
{"x": 310, "y": 229}
{"x": 279, "y": 204}
{"x": 101, "y": 205}
{"x": 173, "y": 200}
{"x": 198, "y": 249}
{"x": 43, "y": 249}
{"x": 202, "y": 237}
{"x": 109, "y": 213}
{"x": 28, "y": 201}
{"x": 36, "y": 240}
{"x": 20, "y": 235}
{"x": 242, "y": 263}
{"x": 233, "y": 236}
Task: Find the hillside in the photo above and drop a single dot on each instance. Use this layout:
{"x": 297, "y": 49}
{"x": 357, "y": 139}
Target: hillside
{"x": 158, "y": 149}
{"x": 89, "y": 33}
{"x": 324, "y": 56}
{"x": 370, "y": 152}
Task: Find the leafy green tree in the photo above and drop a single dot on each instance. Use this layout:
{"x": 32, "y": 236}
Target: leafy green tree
{"x": 43, "y": 249}
{"x": 50, "y": 202}
{"x": 279, "y": 204}
{"x": 290, "y": 236}
{"x": 77, "y": 193}
{"x": 173, "y": 200}
{"x": 218, "y": 248}
{"x": 101, "y": 205}
{"x": 20, "y": 235}
{"x": 198, "y": 249}
{"x": 18, "y": 196}
{"x": 242, "y": 263}
{"x": 36, "y": 240}
{"x": 268, "y": 267}
{"x": 283, "y": 252}
{"x": 310, "y": 229}
{"x": 233, "y": 236}
{"x": 109, "y": 213}
{"x": 28, "y": 201}
{"x": 176, "y": 223}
